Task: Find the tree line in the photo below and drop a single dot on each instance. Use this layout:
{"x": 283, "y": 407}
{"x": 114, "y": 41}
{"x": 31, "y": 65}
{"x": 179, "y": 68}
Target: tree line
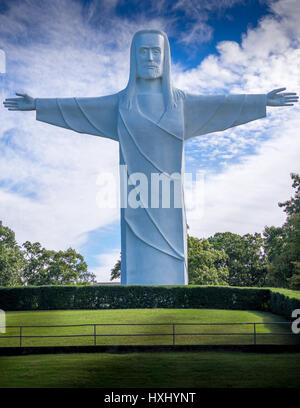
{"x": 31, "y": 264}
{"x": 268, "y": 259}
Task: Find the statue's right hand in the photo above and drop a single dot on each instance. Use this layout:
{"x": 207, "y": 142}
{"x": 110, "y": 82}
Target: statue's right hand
{"x": 25, "y": 103}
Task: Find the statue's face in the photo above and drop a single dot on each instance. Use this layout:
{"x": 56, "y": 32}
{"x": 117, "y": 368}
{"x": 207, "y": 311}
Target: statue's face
{"x": 149, "y": 55}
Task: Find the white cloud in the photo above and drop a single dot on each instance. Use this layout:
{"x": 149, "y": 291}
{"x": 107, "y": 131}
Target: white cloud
{"x": 51, "y": 173}
{"x": 198, "y": 30}
{"x": 244, "y": 197}
{"x": 106, "y": 262}
{"x": 268, "y": 56}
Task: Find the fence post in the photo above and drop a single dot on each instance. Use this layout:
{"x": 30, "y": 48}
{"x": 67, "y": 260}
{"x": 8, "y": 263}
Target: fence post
{"x": 95, "y": 336}
{"x": 173, "y": 334}
{"x": 254, "y": 333}
{"x": 20, "y": 336}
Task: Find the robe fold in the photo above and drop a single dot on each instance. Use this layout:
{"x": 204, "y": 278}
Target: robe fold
{"x": 153, "y": 240}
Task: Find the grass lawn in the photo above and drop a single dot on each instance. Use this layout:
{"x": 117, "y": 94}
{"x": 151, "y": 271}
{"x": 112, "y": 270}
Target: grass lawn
{"x": 71, "y": 317}
{"x": 178, "y": 370}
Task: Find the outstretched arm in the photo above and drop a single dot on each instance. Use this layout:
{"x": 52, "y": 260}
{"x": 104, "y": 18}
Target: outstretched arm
{"x": 213, "y": 113}
{"x": 94, "y": 116}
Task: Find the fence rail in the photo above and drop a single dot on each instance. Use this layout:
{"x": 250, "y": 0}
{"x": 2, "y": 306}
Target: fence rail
{"x": 21, "y": 336}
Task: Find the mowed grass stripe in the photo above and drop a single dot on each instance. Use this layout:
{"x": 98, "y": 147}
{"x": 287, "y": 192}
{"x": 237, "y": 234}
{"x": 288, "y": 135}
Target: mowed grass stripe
{"x": 152, "y": 370}
{"x": 151, "y": 335}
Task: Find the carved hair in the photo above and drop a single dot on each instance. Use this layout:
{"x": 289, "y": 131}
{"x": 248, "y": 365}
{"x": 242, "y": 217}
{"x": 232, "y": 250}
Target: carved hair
{"x": 171, "y": 94}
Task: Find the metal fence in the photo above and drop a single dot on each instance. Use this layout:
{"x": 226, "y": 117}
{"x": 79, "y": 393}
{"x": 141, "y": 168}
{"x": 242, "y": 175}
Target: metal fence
{"x": 173, "y": 334}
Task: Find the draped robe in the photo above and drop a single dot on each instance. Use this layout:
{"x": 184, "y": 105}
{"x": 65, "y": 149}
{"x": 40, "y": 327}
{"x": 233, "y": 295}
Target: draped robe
{"x": 153, "y": 240}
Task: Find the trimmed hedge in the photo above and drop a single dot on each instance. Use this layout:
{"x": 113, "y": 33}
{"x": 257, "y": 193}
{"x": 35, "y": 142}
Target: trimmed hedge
{"x": 274, "y": 300}
{"x": 284, "y": 301}
{"x": 132, "y": 297}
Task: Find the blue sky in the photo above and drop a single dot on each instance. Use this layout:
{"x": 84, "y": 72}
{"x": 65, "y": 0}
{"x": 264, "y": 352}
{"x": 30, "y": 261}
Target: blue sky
{"x": 49, "y": 177}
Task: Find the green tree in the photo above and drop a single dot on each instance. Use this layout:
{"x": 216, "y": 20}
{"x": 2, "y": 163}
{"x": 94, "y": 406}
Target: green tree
{"x": 11, "y": 258}
{"x": 283, "y": 244}
{"x": 246, "y": 259}
{"x": 38, "y": 260}
{"x": 68, "y": 267}
{"x": 278, "y": 269}
{"x": 294, "y": 280}
{"x": 292, "y": 206}
{"x": 206, "y": 265}
{"x": 46, "y": 267}
{"x": 115, "y": 272}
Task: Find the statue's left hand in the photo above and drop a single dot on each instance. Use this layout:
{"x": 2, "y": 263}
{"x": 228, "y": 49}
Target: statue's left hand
{"x": 275, "y": 98}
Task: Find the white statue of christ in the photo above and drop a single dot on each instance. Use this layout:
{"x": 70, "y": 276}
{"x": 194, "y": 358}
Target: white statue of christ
{"x": 151, "y": 120}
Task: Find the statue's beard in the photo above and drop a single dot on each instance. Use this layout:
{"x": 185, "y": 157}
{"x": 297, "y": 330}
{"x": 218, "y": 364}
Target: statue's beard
{"x": 150, "y": 73}
{"x": 153, "y": 72}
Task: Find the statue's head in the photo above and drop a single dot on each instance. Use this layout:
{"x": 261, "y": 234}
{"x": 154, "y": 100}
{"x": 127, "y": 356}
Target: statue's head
{"x": 149, "y": 54}
{"x": 150, "y": 59}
